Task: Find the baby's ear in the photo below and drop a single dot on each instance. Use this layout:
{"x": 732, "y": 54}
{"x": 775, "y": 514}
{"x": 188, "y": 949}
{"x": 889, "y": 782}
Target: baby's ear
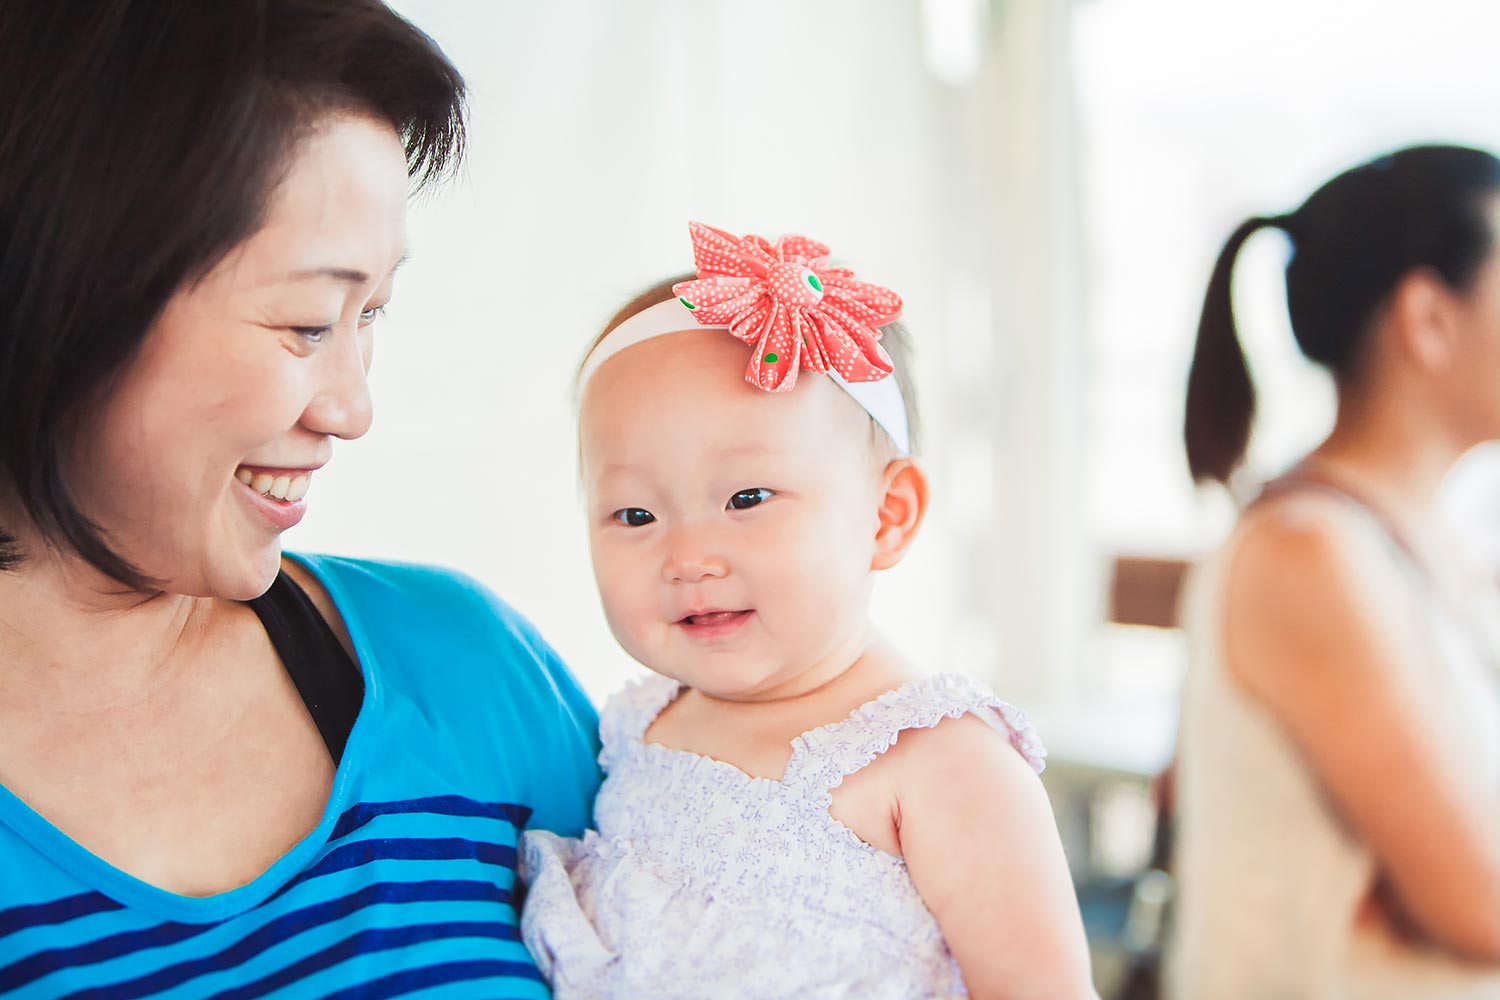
{"x": 903, "y": 505}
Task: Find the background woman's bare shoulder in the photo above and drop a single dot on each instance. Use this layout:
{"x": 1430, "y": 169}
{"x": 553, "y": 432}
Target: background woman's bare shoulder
{"x": 1310, "y": 585}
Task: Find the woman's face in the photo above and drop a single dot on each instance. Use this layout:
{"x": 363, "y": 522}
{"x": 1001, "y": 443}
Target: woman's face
{"x": 1473, "y": 370}
{"x": 196, "y": 459}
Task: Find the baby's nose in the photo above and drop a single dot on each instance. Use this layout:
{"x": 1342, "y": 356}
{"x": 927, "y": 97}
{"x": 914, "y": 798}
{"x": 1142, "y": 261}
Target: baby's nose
{"x": 691, "y": 556}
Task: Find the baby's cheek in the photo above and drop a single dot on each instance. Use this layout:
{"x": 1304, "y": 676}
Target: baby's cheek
{"x": 623, "y": 610}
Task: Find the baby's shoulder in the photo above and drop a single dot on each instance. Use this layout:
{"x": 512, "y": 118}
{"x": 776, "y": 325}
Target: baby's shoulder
{"x": 926, "y": 725}
{"x": 952, "y": 745}
{"x": 952, "y": 713}
{"x": 630, "y": 711}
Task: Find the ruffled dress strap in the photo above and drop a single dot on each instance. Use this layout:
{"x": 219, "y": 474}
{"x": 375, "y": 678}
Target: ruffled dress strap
{"x": 629, "y": 713}
{"x": 823, "y": 757}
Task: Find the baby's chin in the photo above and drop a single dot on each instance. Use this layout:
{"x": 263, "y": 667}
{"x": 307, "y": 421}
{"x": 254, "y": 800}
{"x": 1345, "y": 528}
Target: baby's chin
{"x": 712, "y": 683}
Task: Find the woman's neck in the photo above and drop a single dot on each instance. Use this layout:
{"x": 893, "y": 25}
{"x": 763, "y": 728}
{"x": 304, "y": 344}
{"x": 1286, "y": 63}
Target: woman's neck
{"x": 1397, "y": 451}
{"x": 71, "y": 637}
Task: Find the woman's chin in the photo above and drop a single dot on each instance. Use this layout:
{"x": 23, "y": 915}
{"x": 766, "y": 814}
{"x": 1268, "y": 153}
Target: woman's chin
{"x": 243, "y": 577}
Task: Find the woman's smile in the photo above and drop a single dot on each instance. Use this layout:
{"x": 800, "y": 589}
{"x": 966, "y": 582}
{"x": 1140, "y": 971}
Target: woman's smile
{"x": 276, "y": 494}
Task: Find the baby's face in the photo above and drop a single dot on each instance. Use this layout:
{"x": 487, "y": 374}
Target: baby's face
{"x": 732, "y": 530}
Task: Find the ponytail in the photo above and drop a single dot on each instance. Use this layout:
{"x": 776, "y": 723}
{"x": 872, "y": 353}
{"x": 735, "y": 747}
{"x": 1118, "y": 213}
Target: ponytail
{"x": 1355, "y": 238}
{"x": 1220, "y": 396}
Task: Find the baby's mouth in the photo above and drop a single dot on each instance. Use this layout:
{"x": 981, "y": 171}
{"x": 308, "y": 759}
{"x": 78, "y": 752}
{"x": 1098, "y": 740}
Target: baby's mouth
{"x": 712, "y": 617}
{"x": 287, "y": 486}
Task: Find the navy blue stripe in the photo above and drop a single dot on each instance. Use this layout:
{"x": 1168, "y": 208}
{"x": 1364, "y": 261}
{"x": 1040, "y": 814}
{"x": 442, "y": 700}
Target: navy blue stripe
{"x": 59, "y": 911}
{"x": 354, "y": 855}
{"x": 393, "y": 849}
{"x": 290, "y": 924}
{"x": 363, "y": 852}
{"x": 368, "y": 943}
{"x": 428, "y": 976}
{"x": 85, "y": 904}
{"x": 44, "y": 963}
{"x": 358, "y": 815}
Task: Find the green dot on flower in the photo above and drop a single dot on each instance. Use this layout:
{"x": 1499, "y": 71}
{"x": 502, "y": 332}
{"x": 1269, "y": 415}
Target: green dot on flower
{"x": 812, "y": 279}
{"x": 686, "y": 302}
{"x": 769, "y": 359}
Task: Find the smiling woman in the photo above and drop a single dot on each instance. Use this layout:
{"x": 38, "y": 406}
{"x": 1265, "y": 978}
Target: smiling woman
{"x": 266, "y": 367}
{"x": 222, "y": 771}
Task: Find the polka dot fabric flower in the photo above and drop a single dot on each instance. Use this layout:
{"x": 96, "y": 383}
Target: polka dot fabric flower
{"x": 791, "y": 307}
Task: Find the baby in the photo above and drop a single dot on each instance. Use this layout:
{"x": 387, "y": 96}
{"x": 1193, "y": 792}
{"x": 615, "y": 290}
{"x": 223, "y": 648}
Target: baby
{"x": 791, "y": 808}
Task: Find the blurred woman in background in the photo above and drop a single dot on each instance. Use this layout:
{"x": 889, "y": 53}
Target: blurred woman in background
{"x": 1339, "y": 824}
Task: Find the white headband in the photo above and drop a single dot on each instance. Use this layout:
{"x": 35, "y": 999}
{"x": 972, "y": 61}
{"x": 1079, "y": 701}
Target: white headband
{"x": 881, "y": 400}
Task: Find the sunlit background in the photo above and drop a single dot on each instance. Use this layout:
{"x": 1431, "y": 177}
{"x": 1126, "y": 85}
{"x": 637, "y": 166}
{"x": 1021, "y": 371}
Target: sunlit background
{"x": 1046, "y": 183}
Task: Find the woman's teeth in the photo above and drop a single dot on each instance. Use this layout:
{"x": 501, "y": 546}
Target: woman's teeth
{"x": 286, "y": 488}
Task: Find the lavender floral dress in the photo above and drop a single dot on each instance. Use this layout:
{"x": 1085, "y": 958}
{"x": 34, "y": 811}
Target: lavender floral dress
{"x": 705, "y": 882}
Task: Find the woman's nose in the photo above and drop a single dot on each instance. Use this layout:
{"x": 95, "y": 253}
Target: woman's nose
{"x": 341, "y": 404}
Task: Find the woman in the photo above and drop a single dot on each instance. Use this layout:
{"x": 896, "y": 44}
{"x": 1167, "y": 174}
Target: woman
{"x": 1340, "y": 766}
{"x": 222, "y": 771}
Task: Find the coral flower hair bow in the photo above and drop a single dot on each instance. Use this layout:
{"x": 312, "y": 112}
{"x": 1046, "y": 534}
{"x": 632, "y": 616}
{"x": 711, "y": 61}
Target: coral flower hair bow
{"x": 791, "y": 307}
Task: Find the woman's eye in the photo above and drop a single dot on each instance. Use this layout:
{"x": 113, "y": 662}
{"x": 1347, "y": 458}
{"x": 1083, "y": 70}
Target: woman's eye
{"x": 312, "y": 333}
{"x": 370, "y": 315}
{"x": 748, "y": 498}
{"x": 634, "y": 517}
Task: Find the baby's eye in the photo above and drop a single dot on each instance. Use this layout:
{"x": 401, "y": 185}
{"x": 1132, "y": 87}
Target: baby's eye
{"x": 634, "y": 517}
{"x": 748, "y": 498}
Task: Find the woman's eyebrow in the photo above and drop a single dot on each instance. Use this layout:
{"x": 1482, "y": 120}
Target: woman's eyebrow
{"x": 350, "y": 275}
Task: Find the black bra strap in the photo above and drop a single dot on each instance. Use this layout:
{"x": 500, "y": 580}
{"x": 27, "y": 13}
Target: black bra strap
{"x": 328, "y": 680}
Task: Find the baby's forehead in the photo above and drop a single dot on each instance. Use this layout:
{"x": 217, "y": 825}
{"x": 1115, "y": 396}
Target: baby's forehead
{"x": 704, "y": 451}
{"x": 688, "y": 391}
{"x": 713, "y": 367}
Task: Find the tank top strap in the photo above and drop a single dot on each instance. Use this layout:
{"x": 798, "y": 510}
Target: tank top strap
{"x": 1475, "y": 631}
{"x": 823, "y": 757}
{"x": 1308, "y": 481}
{"x": 629, "y": 712}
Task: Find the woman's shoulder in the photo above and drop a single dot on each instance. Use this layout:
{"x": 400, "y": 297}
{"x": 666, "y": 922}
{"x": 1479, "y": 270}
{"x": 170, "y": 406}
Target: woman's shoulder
{"x": 365, "y": 596}
{"x": 1310, "y": 580}
{"x": 428, "y": 624}
{"x": 1299, "y": 525}
{"x": 378, "y": 585}
{"x": 453, "y": 653}
{"x": 1297, "y": 553}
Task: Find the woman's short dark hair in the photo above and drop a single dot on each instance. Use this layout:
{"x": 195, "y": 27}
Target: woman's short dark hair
{"x": 1353, "y": 241}
{"x": 140, "y": 141}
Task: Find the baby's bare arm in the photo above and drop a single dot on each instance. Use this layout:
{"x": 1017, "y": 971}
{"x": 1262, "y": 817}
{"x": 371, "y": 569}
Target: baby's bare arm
{"x": 982, "y": 847}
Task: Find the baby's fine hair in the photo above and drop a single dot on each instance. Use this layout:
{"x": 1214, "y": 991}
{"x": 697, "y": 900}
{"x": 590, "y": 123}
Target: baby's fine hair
{"x": 893, "y": 337}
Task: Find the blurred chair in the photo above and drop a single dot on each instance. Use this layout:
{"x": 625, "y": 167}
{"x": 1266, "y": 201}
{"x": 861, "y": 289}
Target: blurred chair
{"x": 1127, "y": 916}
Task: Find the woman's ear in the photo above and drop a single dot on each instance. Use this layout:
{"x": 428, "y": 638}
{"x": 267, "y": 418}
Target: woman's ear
{"x": 903, "y": 505}
{"x": 1425, "y": 318}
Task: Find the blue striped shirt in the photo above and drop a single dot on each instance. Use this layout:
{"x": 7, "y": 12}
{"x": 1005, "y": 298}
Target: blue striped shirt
{"x": 471, "y": 729}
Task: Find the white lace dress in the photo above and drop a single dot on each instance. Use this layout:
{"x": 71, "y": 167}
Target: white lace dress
{"x": 705, "y": 882}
